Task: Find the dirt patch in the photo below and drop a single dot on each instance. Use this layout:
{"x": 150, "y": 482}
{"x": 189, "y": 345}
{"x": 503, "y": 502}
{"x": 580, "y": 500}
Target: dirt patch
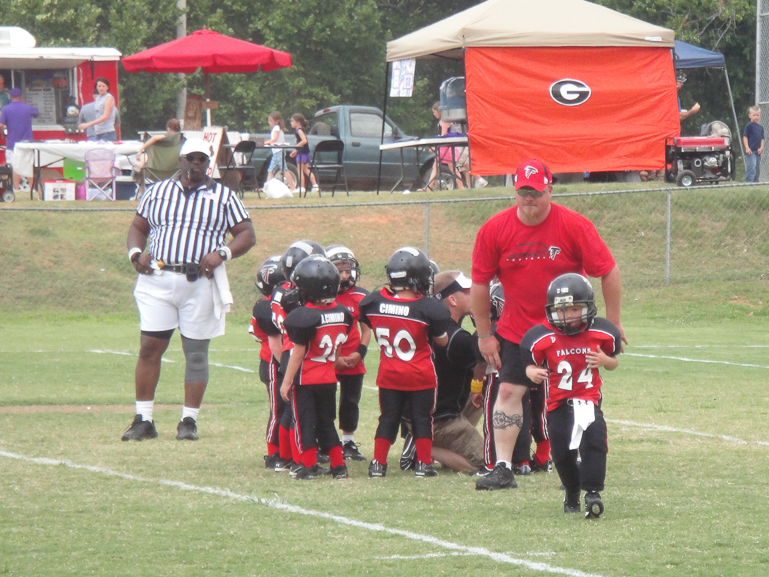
{"x": 28, "y": 409}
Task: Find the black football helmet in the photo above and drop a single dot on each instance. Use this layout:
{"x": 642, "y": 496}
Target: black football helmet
{"x": 298, "y": 251}
{"x": 269, "y": 275}
{"x": 497, "y": 301}
{"x": 409, "y": 267}
{"x": 316, "y": 279}
{"x": 339, "y": 253}
{"x": 570, "y": 290}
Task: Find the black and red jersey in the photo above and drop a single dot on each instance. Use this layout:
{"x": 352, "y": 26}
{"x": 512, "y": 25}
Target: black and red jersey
{"x": 279, "y": 313}
{"x": 350, "y": 299}
{"x": 262, "y": 326}
{"x": 403, "y": 329}
{"x": 322, "y": 329}
{"x": 564, "y": 357}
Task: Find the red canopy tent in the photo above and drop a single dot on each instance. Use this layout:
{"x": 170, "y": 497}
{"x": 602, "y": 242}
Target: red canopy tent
{"x": 211, "y": 52}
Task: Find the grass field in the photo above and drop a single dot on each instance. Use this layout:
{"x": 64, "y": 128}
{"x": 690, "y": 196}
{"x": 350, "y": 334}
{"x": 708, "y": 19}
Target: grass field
{"x": 688, "y": 413}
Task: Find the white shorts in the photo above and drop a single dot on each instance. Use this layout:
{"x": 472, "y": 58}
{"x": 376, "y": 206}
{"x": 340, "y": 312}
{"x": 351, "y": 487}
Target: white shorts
{"x": 170, "y": 301}
{"x": 9, "y": 157}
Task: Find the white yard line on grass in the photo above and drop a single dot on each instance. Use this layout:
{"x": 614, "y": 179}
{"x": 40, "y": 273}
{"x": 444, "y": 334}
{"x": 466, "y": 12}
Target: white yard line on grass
{"x": 663, "y": 428}
{"x": 124, "y": 353}
{"x": 277, "y": 504}
{"x": 687, "y": 360}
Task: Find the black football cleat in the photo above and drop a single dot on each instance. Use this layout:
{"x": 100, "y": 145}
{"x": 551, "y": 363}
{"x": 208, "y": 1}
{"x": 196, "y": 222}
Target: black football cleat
{"x": 140, "y": 430}
{"x": 593, "y": 505}
{"x": 482, "y": 472}
{"x": 350, "y": 450}
{"x": 187, "y": 430}
{"x": 323, "y": 458}
{"x": 283, "y": 465}
{"x": 522, "y": 470}
{"x": 339, "y": 472}
{"x": 537, "y": 468}
{"x": 500, "y": 478}
{"x": 423, "y": 470}
{"x": 376, "y": 469}
{"x": 271, "y": 460}
{"x": 571, "y": 502}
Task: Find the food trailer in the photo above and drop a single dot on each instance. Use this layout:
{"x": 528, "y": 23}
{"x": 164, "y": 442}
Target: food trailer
{"x": 58, "y": 81}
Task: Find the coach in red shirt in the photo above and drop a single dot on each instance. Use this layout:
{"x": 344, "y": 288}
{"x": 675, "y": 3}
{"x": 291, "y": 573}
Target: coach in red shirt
{"x": 526, "y": 247}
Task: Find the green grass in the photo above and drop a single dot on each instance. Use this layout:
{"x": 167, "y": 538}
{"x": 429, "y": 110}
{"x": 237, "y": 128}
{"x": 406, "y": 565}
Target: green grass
{"x": 677, "y": 503}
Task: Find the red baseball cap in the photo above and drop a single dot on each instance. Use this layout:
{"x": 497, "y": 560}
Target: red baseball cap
{"x": 533, "y": 173}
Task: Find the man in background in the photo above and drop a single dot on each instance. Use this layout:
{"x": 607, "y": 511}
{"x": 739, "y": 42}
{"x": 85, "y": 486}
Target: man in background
{"x": 16, "y": 117}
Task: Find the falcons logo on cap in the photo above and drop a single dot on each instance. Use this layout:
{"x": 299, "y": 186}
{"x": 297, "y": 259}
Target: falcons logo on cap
{"x": 529, "y": 170}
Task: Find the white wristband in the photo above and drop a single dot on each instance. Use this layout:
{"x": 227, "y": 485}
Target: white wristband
{"x": 228, "y": 251}
{"x": 133, "y": 251}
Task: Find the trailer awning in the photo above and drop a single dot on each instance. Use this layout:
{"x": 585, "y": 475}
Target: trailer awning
{"x": 29, "y": 58}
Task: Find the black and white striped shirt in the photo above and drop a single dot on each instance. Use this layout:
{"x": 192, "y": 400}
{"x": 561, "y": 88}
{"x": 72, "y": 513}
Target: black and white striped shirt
{"x": 186, "y": 227}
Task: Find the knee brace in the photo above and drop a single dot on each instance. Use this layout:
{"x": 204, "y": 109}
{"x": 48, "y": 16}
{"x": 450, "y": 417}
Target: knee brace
{"x": 196, "y": 356}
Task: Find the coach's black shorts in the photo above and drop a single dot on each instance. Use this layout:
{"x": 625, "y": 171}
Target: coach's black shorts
{"x": 512, "y": 370}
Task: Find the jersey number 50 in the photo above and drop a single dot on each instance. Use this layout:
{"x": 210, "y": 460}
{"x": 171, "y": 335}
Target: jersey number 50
{"x": 383, "y": 340}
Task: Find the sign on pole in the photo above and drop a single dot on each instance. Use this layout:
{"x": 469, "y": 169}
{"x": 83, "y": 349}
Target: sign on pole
{"x": 402, "y": 82}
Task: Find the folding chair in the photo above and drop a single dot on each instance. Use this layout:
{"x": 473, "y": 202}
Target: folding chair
{"x": 241, "y": 163}
{"x": 100, "y": 173}
{"x": 326, "y": 157}
{"x": 162, "y": 161}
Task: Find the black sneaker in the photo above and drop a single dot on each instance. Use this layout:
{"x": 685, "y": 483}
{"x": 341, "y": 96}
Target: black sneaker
{"x": 424, "y": 470}
{"x": 408, "y": 454}
{"x": 323, "y": 458}
{"x": 140, "y": 430}
{"x": 500, "y": 478}
{"x": 377, "y": 469}
{"x": 351, "y": 451}
{"x": 524, "y": 470}
{"x": 339, "y": 472}
{"x": 537, "y": 468}
{"x": 283, "y": 465}
{"x": 306, "y": 473}
{"x": 593, "y": 505}
{"x": 187, "y": 430}
{"x": 482, "y": 472}
{"x": 271, "y": 460}
{"x": 294, "y": 468}
{"x": 571, "y": 502}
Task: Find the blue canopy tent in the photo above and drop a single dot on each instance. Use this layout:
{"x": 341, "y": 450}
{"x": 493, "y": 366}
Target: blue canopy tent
{"x": 689, "y": 56}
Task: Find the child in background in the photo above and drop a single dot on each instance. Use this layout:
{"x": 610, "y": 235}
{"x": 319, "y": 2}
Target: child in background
{"x": 277, "y": 136}
{"x": 317, "y": 329}
{"x": 566, "y": 352}
{"x": 302, "y": 154}
{"x": 753, "y": 140}
{"x": 405, "y": 321}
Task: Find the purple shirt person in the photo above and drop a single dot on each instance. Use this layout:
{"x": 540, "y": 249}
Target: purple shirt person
{"x": 17, "y": 117}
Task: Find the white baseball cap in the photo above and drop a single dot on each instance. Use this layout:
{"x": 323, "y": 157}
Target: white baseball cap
{"x": 196, "y": 145}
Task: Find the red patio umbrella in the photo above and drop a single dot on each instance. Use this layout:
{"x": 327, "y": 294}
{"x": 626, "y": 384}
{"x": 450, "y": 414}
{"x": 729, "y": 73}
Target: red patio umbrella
{"x": 211, "y": 52}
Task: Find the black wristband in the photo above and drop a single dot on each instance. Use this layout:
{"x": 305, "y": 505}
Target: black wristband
{"x": 362, "y": 350}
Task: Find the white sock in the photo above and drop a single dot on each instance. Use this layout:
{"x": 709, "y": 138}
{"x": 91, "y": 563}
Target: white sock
{"x": 507, "y": 464}
{"x": 190, "y": 412}
{"x": 144, "y": 408}
{"x": 346, "y": 438}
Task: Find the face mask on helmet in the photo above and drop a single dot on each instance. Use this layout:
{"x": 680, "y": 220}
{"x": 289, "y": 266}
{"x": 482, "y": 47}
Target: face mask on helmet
{"x": 345, "y": 261}
{"x": 409, "y": 268}
{"x": 296, "y": 253}
{"x": 269, "y": 275}
{"x": 570, "y": 305}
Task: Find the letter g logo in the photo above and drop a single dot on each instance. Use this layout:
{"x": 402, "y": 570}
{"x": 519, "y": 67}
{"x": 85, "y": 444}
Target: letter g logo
{"x": 569, "y": 92}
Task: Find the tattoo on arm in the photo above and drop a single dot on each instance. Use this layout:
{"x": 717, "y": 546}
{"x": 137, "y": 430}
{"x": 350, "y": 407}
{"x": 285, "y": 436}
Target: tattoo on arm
{"x": 502, "y": 420}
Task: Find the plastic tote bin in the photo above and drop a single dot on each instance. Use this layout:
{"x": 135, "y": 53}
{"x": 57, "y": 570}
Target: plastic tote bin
{"x": 125, "y": 188}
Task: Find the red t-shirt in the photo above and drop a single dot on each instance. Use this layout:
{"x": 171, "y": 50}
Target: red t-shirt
{"x": 527, "y": 258}
{"x": 322, "y": 329}
{"x": 403, "y": 329}
{"x": 564, "y": 356}
{"x": 350, "y": 299}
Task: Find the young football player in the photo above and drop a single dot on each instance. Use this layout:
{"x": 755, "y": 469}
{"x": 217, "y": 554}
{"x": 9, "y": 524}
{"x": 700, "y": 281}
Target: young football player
{"x": 565, "y": 353}
{"x": 350, "y": 369}
{"x": 284, "y": 300}
{"x": 405, "y": 322}
{"x": 317, "y": 329}
{"x": 261, "y": 328}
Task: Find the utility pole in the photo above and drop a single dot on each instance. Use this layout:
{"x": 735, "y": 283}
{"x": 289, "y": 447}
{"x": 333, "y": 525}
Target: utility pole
{"x": 181, "y": 32}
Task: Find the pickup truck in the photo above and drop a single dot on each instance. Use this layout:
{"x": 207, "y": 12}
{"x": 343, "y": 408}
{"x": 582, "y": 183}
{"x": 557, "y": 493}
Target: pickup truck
{"x": 360, "y": 128}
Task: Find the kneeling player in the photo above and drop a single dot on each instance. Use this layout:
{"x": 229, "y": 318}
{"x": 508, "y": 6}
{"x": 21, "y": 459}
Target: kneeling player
{"x": 317, "y": 329}
{"x": 566, "y": 352}
{"x": 405, "y": 321}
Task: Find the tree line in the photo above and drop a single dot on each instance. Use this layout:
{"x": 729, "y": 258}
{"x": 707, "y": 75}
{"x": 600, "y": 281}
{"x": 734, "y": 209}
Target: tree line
{"x": 338, "y": 52}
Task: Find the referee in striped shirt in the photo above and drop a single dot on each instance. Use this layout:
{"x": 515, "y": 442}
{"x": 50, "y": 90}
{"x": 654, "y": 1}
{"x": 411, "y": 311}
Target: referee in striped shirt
{"x": 186, "y": 219}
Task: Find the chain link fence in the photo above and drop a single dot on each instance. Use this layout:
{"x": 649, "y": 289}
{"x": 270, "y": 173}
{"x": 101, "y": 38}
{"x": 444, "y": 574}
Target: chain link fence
{"x": 762, "y": 68}
{"x": 74, "y": 260}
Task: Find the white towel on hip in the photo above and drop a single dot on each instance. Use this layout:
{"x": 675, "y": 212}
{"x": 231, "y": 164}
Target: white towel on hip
{"x": 222, "y": 294}
{"x": 584, "y": 415}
